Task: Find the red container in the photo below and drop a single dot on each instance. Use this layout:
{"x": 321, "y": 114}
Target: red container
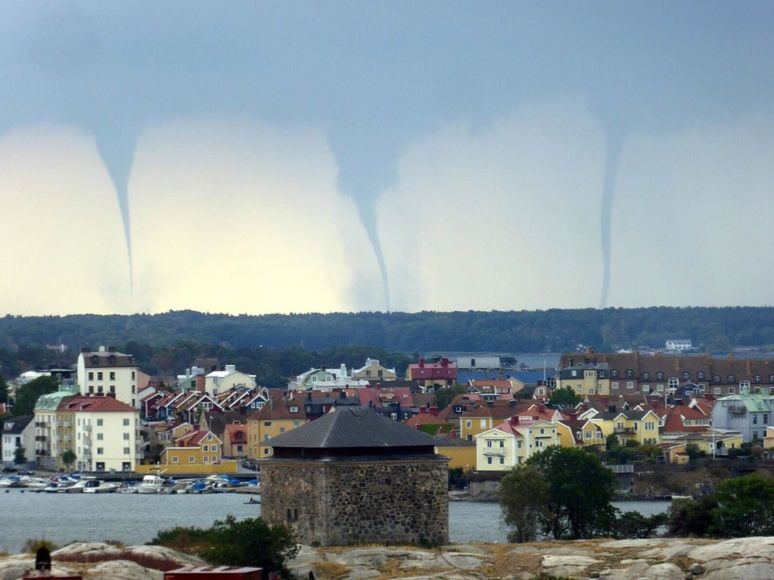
{"x": 214, "y": 572}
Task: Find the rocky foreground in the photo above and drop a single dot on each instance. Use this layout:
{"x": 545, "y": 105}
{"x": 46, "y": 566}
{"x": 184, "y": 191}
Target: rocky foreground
{"x": 662, "y": 558}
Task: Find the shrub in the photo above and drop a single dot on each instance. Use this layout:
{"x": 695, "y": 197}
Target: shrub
{"x": 32, "y": 545}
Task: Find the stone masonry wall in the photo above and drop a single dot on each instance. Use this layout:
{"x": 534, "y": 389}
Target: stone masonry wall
{"x": 356, "y": 502}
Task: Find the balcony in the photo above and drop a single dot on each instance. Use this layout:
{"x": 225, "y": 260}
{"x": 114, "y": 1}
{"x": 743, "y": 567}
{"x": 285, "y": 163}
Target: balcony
{"x": 40, "y": 424}
{"x": 737, "y": 409}
{"x": 40, "y": 438}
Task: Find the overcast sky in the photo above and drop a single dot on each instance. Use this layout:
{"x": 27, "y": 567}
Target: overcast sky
{"x": 326, "y": 156}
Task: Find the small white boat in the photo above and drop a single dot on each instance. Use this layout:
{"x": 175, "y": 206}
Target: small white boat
{"x": 34, "y": 482}
{"x": 98, "y": 486}
{"x": 80, "y": 485}
{"x": 11, "y": 481}
{"x": 151, "y": 484}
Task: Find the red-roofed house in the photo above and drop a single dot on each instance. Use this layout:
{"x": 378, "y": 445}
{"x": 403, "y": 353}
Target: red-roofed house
{"x": 104, "y": 432}
{"x": 512, "y": 442}
{"x": 430, "y": 376}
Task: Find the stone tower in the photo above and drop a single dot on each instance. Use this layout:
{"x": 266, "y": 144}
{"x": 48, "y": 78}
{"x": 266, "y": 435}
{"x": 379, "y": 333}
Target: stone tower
{"x": 354, "y": 477}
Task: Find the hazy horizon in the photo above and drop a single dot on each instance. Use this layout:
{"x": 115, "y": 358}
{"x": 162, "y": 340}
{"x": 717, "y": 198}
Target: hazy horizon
{"x": 300, "y": 157}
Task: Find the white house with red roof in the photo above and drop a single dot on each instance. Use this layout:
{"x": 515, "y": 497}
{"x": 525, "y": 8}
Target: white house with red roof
{"x": 512, "y": 442}
{"x": 105, "y": 433}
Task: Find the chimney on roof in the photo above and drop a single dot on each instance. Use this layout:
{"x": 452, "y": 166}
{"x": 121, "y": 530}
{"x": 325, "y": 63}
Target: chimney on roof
{"x": 572, "y": 361}
{"x": 199, "y": 383}
{"x": 111, "y": 349}
{"x": 101, "y": 349}
{"x": 421, "y": 362}
{"x": 444, "y": 362}
{"x": 230, "y": 368}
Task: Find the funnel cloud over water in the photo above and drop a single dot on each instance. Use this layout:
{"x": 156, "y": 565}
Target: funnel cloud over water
{"x": 613, "y": 146}
{"x": 117, "y": 153}
{"x": 376, "y": 82}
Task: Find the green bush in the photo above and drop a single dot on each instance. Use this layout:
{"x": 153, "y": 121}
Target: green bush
{"x": 32, "y": 545}
{"x": 232, "y": 542}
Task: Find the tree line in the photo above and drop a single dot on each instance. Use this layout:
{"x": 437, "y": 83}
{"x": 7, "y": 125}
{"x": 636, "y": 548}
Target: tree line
{"x": 714, "y": 329}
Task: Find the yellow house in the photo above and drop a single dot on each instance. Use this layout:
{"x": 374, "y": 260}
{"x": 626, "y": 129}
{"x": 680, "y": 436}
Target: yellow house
{"x": 768, "y": 440}
{"x": 373, "y": 370}
{"x": 197, "y": 451}
{"x": 565, "y": 434}
{"x": 585, "y": 379}
{"x": 463, "y": 456}
{"x": 721, "y": 441}
{"x": 275, "y": 418}
{"x": 639, "y": 426}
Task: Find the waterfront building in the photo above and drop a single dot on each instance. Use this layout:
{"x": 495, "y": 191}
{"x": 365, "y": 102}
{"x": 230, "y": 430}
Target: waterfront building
{"x": 104, "y": 433}
{"x": 107, "y": 372}
{"x": 632, "y": 372}
{"x": 18, "y": 433}
{"x": 512, "y": 442}
{"x": 355, "y": 477}
{"x": 748, "y": 413}
{"x": 51, "y": 441}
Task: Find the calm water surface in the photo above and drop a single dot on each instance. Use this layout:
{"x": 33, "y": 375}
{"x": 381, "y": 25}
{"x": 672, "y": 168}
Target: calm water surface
{"x": 135, "y": 519}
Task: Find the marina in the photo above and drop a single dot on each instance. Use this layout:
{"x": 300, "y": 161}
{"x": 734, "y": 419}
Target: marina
{"x": 135, "y": 519}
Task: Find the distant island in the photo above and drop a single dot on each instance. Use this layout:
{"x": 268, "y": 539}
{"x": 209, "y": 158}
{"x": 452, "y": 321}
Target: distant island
{"x": 610, "y": 329}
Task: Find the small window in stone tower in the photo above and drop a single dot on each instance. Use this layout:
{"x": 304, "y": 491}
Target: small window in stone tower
{"x": 292, "y": 514}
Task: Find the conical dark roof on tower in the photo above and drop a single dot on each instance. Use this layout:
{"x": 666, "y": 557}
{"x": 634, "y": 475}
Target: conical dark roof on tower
{"x": 352, "y": 428}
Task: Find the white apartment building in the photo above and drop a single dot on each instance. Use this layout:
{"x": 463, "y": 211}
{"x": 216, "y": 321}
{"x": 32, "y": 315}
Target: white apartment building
{"x": 105, "y": 433}
{"x": 107, "y": 372}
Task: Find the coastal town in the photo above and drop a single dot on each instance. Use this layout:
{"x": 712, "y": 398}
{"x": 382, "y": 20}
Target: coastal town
{"x": 108, "y": 417}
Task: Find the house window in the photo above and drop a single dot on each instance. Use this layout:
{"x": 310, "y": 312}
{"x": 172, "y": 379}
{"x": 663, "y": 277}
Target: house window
{"x": 100, "y": 450}
{"x": 731, "y": 379}
{"x": 468, "y": 424}
{"x": 502, "y": 461}
{"x": 731, "y": 390}
{"x": 685, "y": 375}
{"x": 629, "y": 384}
{"x": 267, "y": 423}
{"x": 482, "y": 423}
{"x": 488, "y": 442}
{"x": 660, "y": 375}
{"x": 91, "y": 389}
{"x": 716, "y": 390}
{"x": 589, "y": 435}
{"x": 755, "y": 419}
{"x": 716, "y": 378}
{"x": 191, "y": 459}
{"x": 175, "y": 459}
{"x": 614, "y": 374}
{"x": 99, "y": 436}
{"x": 700, "y": 375}
{"x": 99, "y": 376}
{"x": 100, "y": 389}
{"x": 206, "y": 459}
{"x": 112, "y": 376}
{"x": 489, "y": 460}
{"x": 205, "y": 448}
{"x": 91, "y": 376}
{"x": 629, "y": 373}
{"x": 126, "y": 451}
{"x": 126, "y": 436}
{"x": 614, "y": 385}
{"x": 502, "y": 443}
